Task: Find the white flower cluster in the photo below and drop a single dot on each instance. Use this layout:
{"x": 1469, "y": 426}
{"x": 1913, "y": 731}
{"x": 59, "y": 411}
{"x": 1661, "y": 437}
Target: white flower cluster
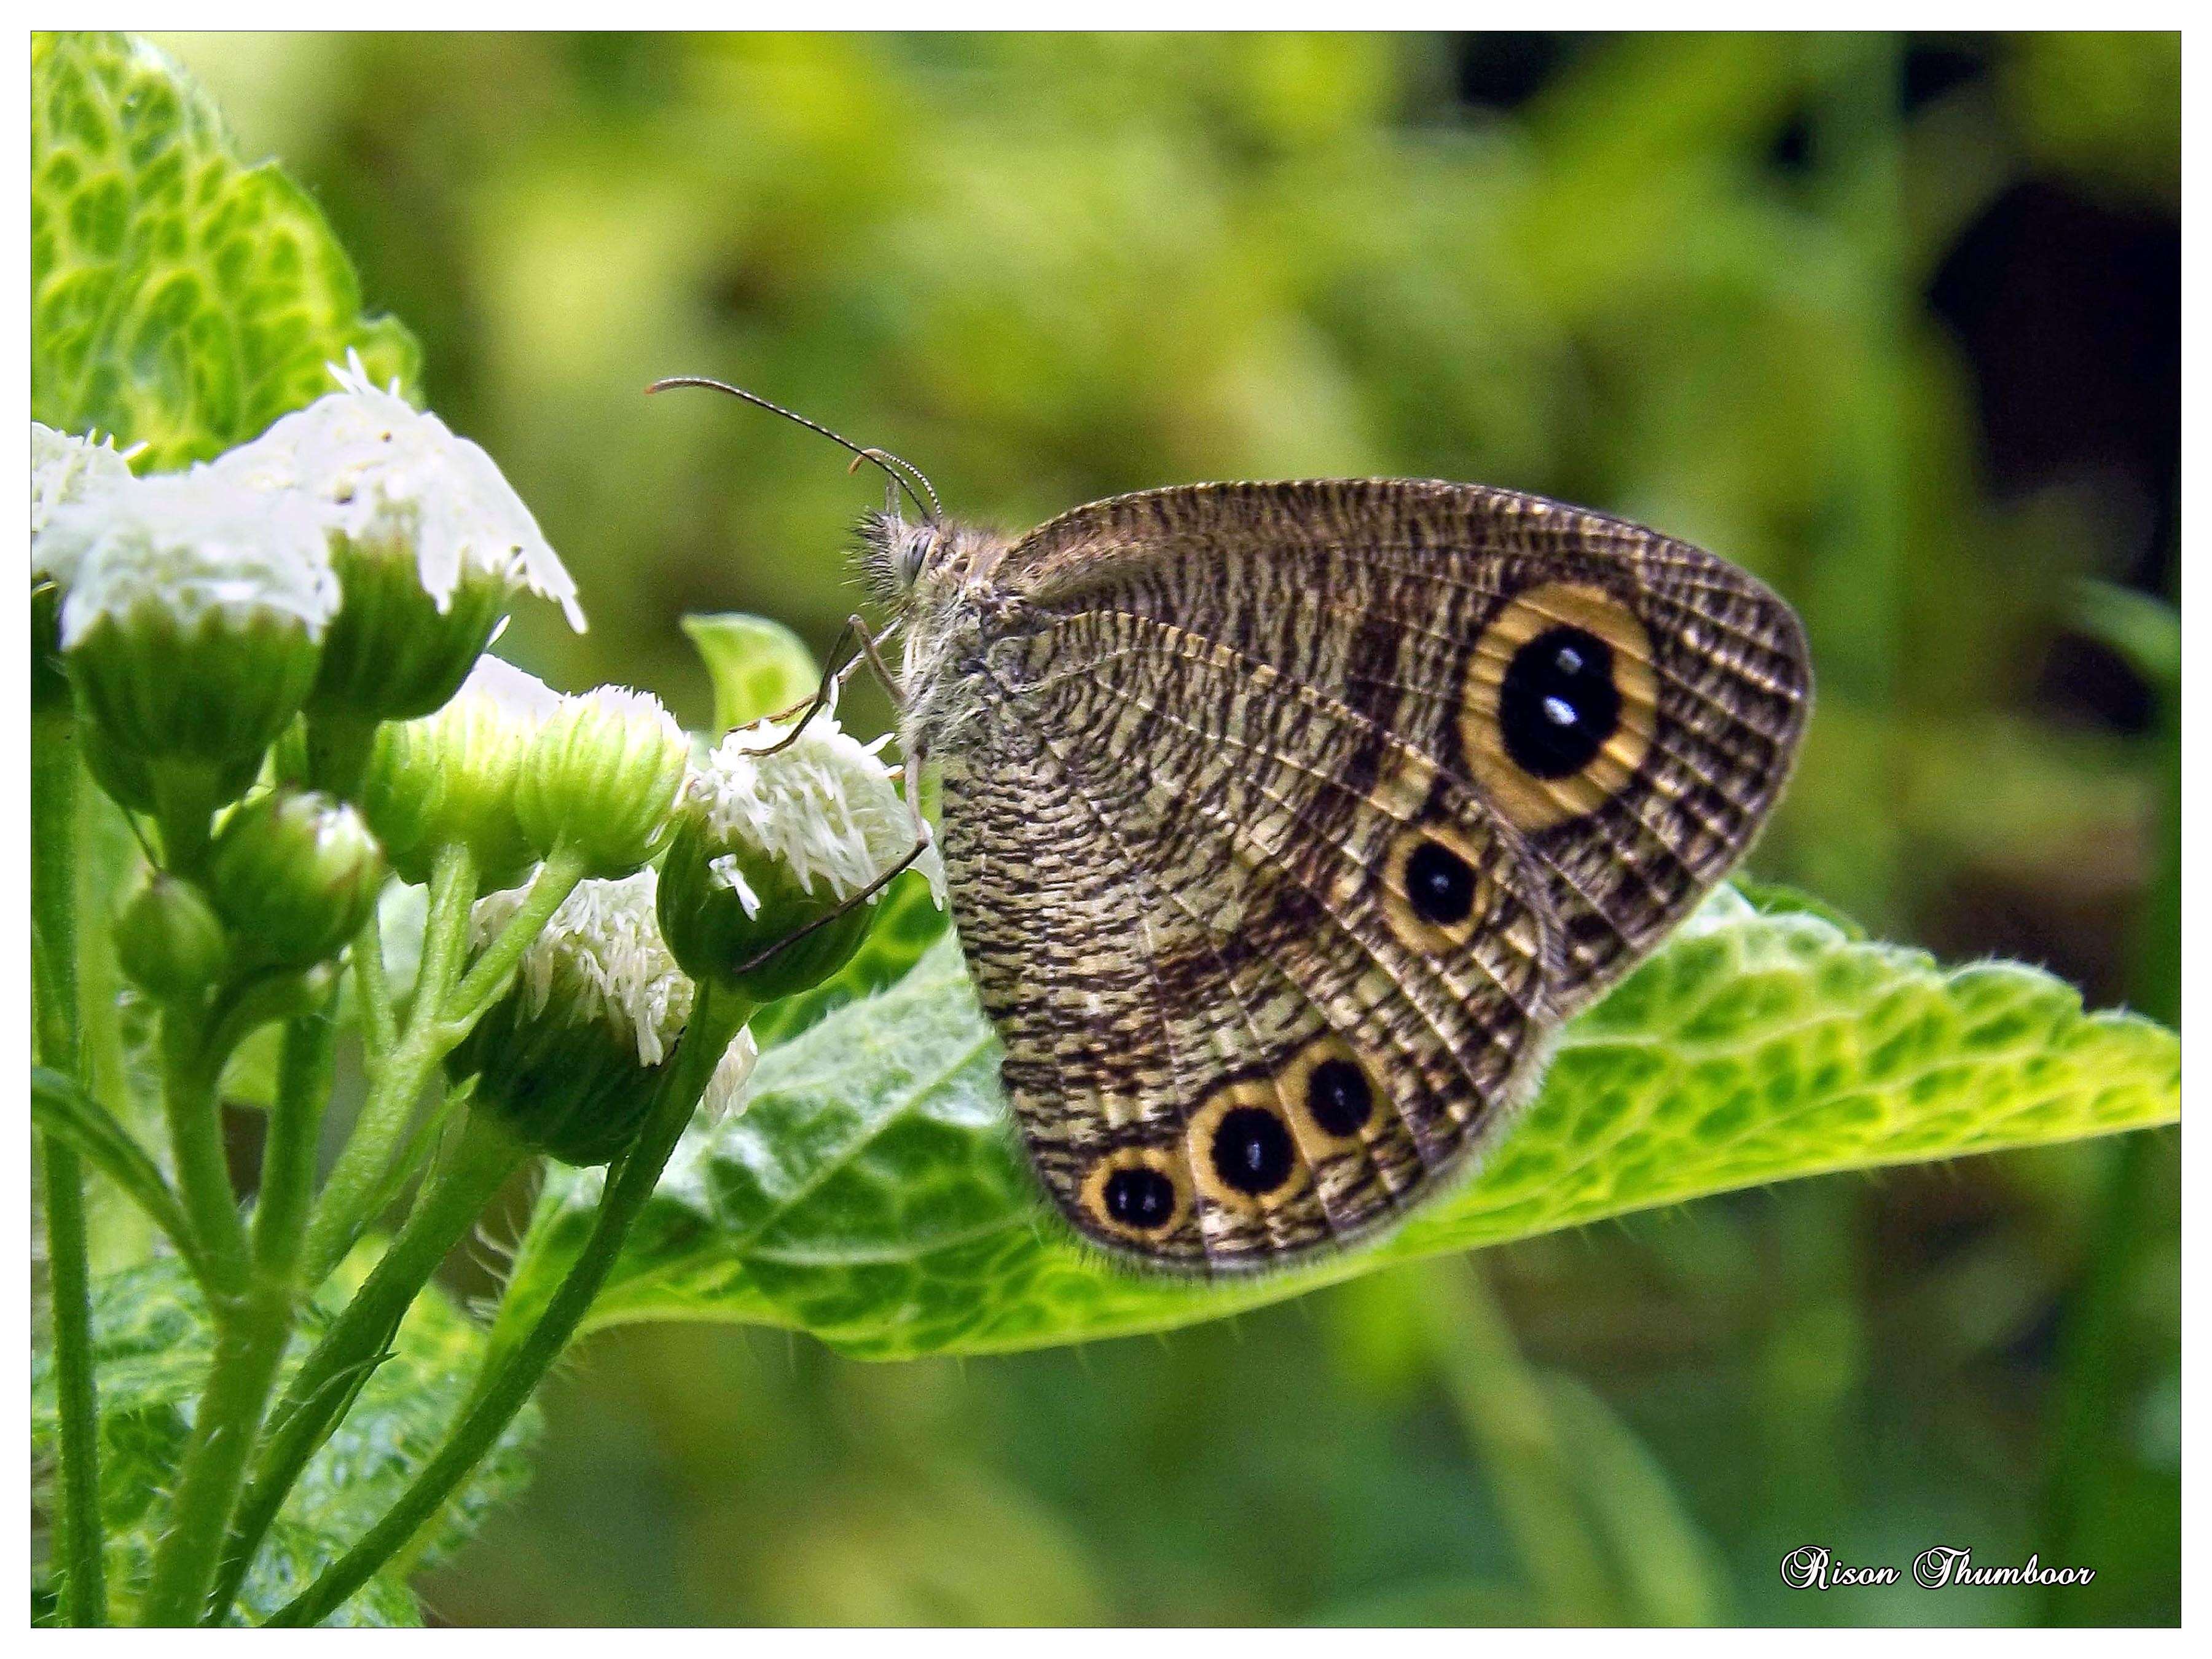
{"x": 384, "y": 474}
{"x": 251, "y": 529}
{"x": 603, "y": 953}
{"x": 826, "y": 806}
{"x": 176, "y": 545}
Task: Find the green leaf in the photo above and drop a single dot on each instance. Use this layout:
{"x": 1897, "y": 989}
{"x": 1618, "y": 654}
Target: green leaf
{"x": 759, "y": 667}
{"x": 152, "y": 1347}
{"x": 179, "y": 298}
{"x": 871, "y": 1192}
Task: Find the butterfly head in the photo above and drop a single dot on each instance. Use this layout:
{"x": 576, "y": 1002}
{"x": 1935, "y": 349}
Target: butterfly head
{"x": 907, "y": 561}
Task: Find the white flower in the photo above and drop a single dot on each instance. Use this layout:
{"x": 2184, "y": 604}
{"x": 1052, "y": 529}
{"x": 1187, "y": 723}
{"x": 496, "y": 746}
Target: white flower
{"x": 826, "y": 806}
{"x": 189, "y": 546}
{"x": 603, "y": 953}
{"x": 604, "y": 949}
{"x": 385, "y": 475}
{"x": 65, "y": 468}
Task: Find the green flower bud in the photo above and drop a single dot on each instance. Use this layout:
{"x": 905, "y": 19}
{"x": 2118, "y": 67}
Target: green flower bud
{"x": 568, "y": 1058}
{"x": 429, "y": 542}
{"x": 293, "y": 874}
{"x": 451, "y": 778}
{"x": 769, "y": 846}
{"x": 193, "y": 622}
{"x": 601, "y": 777}
{"x": 169, "y": 941}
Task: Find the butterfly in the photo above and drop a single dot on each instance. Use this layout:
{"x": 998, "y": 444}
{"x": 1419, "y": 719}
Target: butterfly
{"x": 1285, "y": 824}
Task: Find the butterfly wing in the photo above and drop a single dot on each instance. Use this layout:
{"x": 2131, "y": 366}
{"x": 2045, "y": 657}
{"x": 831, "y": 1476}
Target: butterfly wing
{"x": 1288, "y": 816}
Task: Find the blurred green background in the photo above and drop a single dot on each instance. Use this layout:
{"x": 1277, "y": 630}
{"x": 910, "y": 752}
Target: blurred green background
{"x": 1893, "y": 322}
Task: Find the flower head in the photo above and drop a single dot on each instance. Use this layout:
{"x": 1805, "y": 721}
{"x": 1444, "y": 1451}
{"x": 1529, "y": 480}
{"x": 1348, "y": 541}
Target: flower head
{"x": 429, "y": 542}
{"x": 452, "y": 777}
{"x": 825, "y": 808}
{"x": 194, "y": 619}
{"x": 601, "y": 777}
{"x": 294, "y": 875}
{"x": 570, "y": 1056}
{"x": 390, "y": 477}
{"x": 186, "y": 548}
{"x": 772, "y": 848}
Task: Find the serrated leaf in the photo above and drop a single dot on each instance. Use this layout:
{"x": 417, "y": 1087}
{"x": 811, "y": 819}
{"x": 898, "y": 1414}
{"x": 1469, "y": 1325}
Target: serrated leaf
{"x": 151, "y": 1348}
{"x": 871, "y": 1192}
{"x": 179, "y": 298}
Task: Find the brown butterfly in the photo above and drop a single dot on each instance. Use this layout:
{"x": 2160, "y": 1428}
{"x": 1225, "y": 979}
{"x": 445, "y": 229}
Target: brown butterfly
{"x": 1285, "y": 822}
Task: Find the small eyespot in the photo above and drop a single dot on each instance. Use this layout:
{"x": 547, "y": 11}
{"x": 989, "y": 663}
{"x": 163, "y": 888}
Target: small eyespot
{"x": 1440, "y": 885}
{"x": 1337, "y": 1098}
{"x": 1140, "y": 1197}
{"x": 1252, "y": 1151}
{"x": 1138, "y": 1192}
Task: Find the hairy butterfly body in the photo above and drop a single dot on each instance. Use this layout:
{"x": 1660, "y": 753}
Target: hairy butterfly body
{"x": 1283, "y": 822}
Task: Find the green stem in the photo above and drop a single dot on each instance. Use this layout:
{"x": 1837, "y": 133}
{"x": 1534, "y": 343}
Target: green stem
{"x": 378, "y": 1030}
{"x": 716, "y": 1019}
{"x": 249, "y": 1345}
{"x": 287, "y": 1163}
{"x": 556, "y": 879}
{"x": 331, "y": 1375}
{"x": 53, "y": 911}
{"x": 350, "y": 1192}
{"x": 195, "y": 1118}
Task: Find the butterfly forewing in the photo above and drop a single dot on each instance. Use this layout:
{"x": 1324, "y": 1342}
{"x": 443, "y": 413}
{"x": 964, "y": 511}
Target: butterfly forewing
{"x": 1288, "y": 816}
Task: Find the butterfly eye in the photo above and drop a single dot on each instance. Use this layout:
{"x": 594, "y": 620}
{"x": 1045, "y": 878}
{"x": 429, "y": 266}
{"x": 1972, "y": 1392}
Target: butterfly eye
{"x": 918, "y": 548}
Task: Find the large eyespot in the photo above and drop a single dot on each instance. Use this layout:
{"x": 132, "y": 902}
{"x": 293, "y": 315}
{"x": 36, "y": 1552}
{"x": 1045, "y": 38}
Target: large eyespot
{"x": 1558, "y": 703}
{"x": 1437, "y": 889}
{"x": 1136, "y": 1192}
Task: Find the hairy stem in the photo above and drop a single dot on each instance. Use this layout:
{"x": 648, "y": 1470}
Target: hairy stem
{"x": 331, "y": 1375}
{"x": 249, "y": 1345}
{"x": 69, "y": 1258}
{"x": 194, "y": 1113}
{"x": 716, "y": 1019}
{"x": 351, "y": 1192}
{"x": 556, "y": 879}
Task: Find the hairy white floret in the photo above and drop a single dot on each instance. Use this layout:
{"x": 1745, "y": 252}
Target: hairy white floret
{"x": 826, "y": 807}
{"x": 65, "y": 468}
{"x": 188, "y": 546}
{"x": 387, "y": 474}
{"x": 603, "y": 956}
{"x": 603, "y": 952}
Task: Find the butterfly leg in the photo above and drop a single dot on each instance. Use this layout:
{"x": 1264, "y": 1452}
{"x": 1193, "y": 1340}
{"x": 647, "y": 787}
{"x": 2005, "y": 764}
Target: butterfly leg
{"x": 869, "y": 651}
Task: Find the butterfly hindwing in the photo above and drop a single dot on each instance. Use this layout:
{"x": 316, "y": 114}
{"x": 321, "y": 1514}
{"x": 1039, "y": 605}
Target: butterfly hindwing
{"x": 1282, "y": 806}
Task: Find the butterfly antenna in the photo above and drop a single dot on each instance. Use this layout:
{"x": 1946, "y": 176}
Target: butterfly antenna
{"x": 899, "y": 471}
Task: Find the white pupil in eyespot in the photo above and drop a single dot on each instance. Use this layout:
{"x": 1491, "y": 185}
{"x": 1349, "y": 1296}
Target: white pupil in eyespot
{"x": 1559, "y": 710}
{"x": 1570, "y": 660}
